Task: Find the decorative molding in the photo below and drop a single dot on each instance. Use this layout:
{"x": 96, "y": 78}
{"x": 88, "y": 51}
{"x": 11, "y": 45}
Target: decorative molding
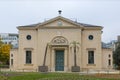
{"x": 91, "y": 64}
{"x": 28, "y": 48}
{"x": 89, "y": 49}
{"x": 59, "y": 40}
{"x": 28, "y": 64}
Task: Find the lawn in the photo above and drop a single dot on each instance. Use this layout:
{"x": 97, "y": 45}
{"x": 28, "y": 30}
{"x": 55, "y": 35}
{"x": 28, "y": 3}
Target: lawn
{"x": 55, "y": 76}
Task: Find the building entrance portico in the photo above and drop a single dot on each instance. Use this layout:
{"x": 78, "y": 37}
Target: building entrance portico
{"x": 59, "y": 58}
{"x": 59, "y": 54}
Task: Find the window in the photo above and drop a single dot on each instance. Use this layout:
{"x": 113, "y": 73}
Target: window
{"x": 28, "y": 37}
{"x": 59, "y": 23}
{"x": 90, "y": 37}
{"x": 90, "y": 57}
{"x": 109, "y": 62}
{"x": 11, "y": 62}
{"x": 28, "y": 57}
{"x": 109, "y": 56}
{"x": 11, "y": 55}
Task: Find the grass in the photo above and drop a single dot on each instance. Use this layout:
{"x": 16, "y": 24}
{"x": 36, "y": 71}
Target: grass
{"x": 51, "y": 76}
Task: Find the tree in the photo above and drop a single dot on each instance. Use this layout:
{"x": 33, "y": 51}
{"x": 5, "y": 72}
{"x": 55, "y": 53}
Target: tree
{"x": 116, "y": 56}
{"x": 75, "y": 45}
{"x": 4, "y": 52}
{"x": 44, "y": 61}
{"x": 1, "y": 43}
{"x": 44, "y": 68}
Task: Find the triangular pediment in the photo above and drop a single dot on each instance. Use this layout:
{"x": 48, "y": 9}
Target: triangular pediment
{"x": 59, "y": 22}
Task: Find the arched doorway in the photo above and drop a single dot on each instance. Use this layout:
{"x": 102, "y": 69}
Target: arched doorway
{"x": 59, "y": 46}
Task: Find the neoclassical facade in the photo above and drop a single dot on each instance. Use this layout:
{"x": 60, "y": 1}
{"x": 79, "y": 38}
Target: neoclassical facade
{"x": 60, "y": 44}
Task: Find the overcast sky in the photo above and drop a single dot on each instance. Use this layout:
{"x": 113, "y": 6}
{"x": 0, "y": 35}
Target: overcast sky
{"x": 104, "y": 13}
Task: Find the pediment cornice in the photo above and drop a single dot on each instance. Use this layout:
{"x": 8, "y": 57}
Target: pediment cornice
{"x": 53, "y": 24}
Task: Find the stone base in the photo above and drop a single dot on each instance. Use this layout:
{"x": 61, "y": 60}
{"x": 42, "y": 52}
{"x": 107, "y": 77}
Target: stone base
{"x": 75, "y": 69}
{"x": 43, "y": 68}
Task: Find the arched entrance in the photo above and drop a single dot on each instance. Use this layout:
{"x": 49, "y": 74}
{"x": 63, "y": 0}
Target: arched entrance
{"x": 59, "y": 54}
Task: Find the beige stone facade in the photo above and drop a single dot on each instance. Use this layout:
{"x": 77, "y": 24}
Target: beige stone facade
{"x": 60, "y": 44}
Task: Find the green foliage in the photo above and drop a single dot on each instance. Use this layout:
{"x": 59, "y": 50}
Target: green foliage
{"x": 3, "y": 78}
{"x": 51, "y": 76}
{"x": 116, "y": 56}
{"x": 75, "y": 45}
{"x": 4, "y": 52}
{"x": 1, "y": 43}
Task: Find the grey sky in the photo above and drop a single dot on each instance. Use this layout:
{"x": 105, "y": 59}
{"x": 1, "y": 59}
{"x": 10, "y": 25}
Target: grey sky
{"x": 104, "y": 13}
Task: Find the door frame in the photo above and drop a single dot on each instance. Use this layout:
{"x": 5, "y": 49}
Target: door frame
{"x": 52, "y": 57}
{"x": 63, "y": 55}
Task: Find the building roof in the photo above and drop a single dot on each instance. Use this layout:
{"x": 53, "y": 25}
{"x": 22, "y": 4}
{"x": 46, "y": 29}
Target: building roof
{"x": 32, "y": 25}
{"x": 107, "y": 45}
{"x": 83, "y": 24}
{"x": 87, "y": 25}
{"x": 104, "y": 45}
{"x": 62, "y": 18}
